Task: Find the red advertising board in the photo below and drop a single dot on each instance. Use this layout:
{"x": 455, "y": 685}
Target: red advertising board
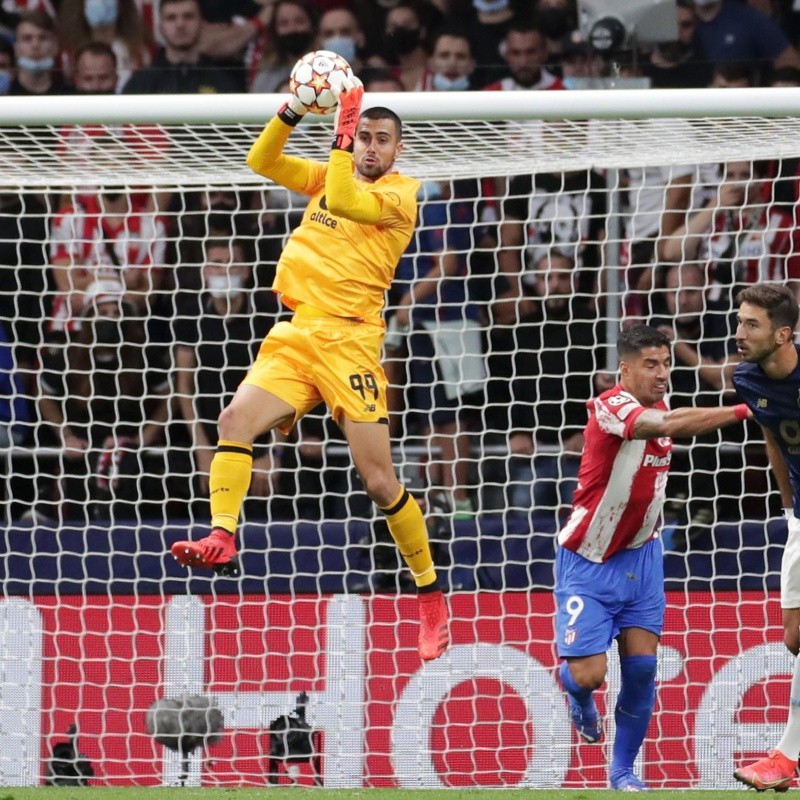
{"x": 489, "y": 713}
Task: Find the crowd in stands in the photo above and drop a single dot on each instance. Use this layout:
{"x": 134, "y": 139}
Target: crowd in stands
{"x": 202, "y": 46}
{"x": 132, "y": 315}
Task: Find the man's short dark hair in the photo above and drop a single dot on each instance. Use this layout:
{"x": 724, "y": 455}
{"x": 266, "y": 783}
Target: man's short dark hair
{"x": 639, "y": 337}
{"x": 163, "y": 3}
{"x": 96, "y": 49}
{"x": 454, "y": 32}
{"x": 776, "y": 299}
{"x": 39, "y": 19}
{"x": 225, "y": 244}
{"x": 380, "y": 112}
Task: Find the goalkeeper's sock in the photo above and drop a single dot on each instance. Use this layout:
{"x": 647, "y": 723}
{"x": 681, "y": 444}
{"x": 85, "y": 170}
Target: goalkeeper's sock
{"x": 789, "y": 744}
{"x": 228, "y": 482}
{"x": 407, "y": 526}
{"x": 637, "y": 696}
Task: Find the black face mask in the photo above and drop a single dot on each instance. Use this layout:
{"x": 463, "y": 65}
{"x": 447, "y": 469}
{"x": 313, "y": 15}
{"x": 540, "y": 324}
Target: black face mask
{"x": 108, "y": 332}
{"x": 553, "y": 23}
{"x": 295, "y": 43}
{"x": 402, "y": 41}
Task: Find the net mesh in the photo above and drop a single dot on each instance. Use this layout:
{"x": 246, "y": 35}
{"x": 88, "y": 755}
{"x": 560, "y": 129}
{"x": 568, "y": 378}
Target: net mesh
{"x": 195, "y": 155}
{"x": 536, "y": 240}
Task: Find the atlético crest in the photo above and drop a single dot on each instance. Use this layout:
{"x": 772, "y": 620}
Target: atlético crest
{"x": 570, "y": 635}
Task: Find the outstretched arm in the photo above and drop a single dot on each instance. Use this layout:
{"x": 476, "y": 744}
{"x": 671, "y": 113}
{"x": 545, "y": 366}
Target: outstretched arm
{"x": 683, "y": 423}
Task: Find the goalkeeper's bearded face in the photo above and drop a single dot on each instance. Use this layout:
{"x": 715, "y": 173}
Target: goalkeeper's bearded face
{"x": 376, "y": 147}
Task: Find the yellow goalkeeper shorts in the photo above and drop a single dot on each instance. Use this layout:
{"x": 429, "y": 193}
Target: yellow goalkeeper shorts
{"x": 323, "y": 359}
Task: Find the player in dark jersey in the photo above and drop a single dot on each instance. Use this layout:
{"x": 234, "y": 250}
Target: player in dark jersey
{"x": 769, "y": 383}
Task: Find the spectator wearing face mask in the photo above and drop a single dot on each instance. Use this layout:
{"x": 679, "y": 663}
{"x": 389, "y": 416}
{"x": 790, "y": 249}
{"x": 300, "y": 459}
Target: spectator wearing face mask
{"x": 450, "y": 65}
{"x": 195, "y": 217}
{"x": 291, "y": 34}
{"x": 487, "y": 28}
{"x": 116, "y": 23}
{"x": 403, "y": 45}
{"x": 35, "y": 49}
{"x": 218, "y": 333}
{"x": 340, "y": 32}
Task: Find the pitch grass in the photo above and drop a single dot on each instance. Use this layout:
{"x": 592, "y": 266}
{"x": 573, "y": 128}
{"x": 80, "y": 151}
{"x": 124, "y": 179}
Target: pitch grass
{"x": 296, "y": 793}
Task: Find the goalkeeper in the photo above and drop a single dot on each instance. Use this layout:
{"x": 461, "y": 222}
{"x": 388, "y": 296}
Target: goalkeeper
{"x": 333, "y": 274}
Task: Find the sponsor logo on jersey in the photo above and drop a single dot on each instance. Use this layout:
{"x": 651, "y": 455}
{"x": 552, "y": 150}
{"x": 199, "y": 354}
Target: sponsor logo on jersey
{"x": 322, "y": 218}
{"x": 653, "y": 461}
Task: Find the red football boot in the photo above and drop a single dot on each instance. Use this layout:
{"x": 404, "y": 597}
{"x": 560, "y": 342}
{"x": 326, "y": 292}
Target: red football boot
{"x": 216, "y": 551}
{"x": 434, "y": 636}
{"x": 776, "y": 771}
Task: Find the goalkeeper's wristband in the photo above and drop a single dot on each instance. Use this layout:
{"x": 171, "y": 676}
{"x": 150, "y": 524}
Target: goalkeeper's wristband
{"x": 343, "y": 141}
{"x": 741, "y": 412}
{"x": 788, "y": 513}
{"x": 287, "y": 115}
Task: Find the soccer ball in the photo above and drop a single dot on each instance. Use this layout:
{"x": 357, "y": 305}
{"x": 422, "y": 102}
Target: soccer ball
{"x": 313, "y": 78}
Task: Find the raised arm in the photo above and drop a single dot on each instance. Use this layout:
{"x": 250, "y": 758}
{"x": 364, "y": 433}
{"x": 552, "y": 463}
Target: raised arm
{"x": 343, "y": 196}
{"x": 341, "y": 193}
{"x": 266, "y": 156}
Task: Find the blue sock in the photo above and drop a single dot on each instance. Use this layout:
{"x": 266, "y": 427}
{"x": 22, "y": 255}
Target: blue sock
{"x": 637, "y": 697}
{"x": 568, "y": 682}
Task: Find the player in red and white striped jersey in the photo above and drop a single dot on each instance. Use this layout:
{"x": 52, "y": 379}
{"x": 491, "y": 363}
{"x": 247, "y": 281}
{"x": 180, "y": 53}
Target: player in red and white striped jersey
{"x": 609, "y": 566}
{"x": 109, "y": 234}
{"x": 622, "y": 480}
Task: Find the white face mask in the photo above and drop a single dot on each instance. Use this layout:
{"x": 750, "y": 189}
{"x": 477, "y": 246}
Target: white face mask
{"x": 99, "y": 13}
{"x": 220, "y": 286}
{"x": 343, "y": 45}
{"x": 441, "y": 83}
{"x": 36, "y": 64}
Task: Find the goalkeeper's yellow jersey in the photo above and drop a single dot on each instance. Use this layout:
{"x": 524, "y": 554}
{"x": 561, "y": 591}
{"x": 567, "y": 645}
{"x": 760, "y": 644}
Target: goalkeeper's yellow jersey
{"x": 342, "y": 257}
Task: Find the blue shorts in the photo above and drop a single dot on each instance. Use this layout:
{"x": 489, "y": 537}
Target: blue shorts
{"x": 594, "y": 602}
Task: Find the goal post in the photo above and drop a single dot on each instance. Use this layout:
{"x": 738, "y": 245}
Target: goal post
{"x": 555, "y": 218}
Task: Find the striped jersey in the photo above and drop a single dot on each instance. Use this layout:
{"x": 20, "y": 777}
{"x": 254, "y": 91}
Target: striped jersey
{"x": 621, "y": 482}
{"x": 83, "y": 239}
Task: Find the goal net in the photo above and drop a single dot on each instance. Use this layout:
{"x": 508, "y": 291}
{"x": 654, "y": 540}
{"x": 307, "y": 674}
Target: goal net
{"x": 137, "y": 250}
